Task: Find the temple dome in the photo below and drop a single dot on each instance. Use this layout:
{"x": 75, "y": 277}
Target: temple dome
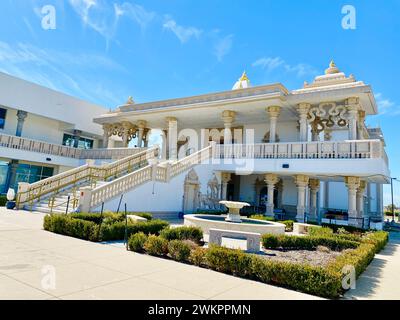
{"x": 332, "y": 68}
{"x": 242, "y": 83}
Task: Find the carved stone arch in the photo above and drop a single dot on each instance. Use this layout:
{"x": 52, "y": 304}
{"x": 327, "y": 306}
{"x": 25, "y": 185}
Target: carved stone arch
{"x": 191, "y": 192}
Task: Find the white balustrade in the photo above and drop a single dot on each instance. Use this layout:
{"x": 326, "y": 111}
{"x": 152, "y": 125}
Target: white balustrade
{"x": 349, "y": 149}
{"x": 85, "y": 173}
{"x": 26, "y": 144}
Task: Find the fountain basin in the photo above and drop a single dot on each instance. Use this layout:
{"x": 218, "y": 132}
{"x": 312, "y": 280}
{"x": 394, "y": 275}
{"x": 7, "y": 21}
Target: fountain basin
{"x": 206, "y": 222}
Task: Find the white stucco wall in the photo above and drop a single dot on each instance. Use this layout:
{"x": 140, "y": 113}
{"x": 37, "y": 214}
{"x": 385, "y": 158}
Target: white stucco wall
{"x": 161, "y": 197}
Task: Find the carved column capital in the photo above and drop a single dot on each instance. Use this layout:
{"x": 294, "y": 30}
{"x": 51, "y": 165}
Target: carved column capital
{"x": 362, "y": 186}
{"x": 141, "y": 124}
{"x": 353, "y": 106}
{"x": 301, "y": 180}
{"x": 274, "y": 111}
{"x": 228, "y": 117}
{"x": 303, "y": 108}
{"x": 271, "y": 179}
{"x": 171, "y": 119}
{"x": 352, "y": 183}
{"x": 314, "y": 184}
{"x": 225, "y": 177}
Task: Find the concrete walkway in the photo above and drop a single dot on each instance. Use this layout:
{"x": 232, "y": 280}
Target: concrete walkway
{"x": 381, "y": 280}
{"x": 36, "y": 264}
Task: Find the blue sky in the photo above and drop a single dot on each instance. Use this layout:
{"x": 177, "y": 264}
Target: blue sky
{"x": 107, "y": 50}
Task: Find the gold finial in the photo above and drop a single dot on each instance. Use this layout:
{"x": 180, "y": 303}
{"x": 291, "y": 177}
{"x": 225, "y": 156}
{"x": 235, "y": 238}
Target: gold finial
{"x": 332, "y": 68}
{"x": 130, "y": 100}
{"x": 244, "y": 77}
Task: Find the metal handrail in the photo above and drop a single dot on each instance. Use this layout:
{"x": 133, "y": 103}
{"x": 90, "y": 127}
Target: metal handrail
{"x": 84, "y": 173}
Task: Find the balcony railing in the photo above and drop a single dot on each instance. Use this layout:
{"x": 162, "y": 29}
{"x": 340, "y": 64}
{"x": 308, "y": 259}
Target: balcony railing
{"x": 348, "y": 149}
{"x": 26, "y": 144}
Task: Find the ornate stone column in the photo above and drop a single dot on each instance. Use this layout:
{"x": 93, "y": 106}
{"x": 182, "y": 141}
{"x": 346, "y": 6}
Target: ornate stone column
{"x": 352, "y": 183}
{"x": 302, "y": 109}
{"x": 228, "y": 117}
{"x": 172, "y": 138}
{"x": 314, "y": 188}
{"x": 21, "y": 116}
{"x": 360, "y": 199}
{"x": 352, "y": 106}
{"x": 106, "y": 134}
{"x": 225, "y": 178}
{"x": 126, "y": 126}
{"x": 360, "y": 124}
{"x": 271, "y": 180}
{"x": 273, "y": 112}
{"x": 302, "y": 183}
{"x": 141, "y": 127}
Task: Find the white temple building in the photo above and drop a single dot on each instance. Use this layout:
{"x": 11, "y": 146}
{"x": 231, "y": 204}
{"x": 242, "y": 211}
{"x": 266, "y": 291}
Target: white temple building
{"x": 304, "y": 154}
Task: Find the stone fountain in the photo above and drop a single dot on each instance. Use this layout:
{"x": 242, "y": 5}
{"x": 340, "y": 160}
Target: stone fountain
{"x": 234, "y": 210}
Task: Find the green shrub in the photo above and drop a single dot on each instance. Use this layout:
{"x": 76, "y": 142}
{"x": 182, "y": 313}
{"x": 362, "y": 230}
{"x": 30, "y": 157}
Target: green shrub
{"x": 3, "y": 200}
{"x": 378, "y": 238}
{"x": 302, "y": 277}
{"x": 183, "y": 233}
{"x": 156, "y": 245}
{"x": 136, "y": 242}
{"x": 270, "y": 241}
{"x": 320, "y": 231}
{"x": 198, "y": 256}
{"x": 107, "y": 217}
{"x": 361, "y": 257}
{"x": 179, "y": 250}
{"x": 261, "y": 217}
{"x": 350, "y": 229}
{"x": 116, "y": 231}
{"x": 230, "y": 261}
{"x": 306, "y": 242}
{"x": 66, "y": 225}
{"x": 288, "y": 225}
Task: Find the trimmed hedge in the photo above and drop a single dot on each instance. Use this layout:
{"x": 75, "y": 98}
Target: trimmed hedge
{"x": 66, "y": 225}
{"x": 87, "y": 229}
{"x": 320, "y": 231}
{"x": 3, "y": 200}
{"x": 183, "y": 233}
{"x": 116, "y": 231}
{"x": 270, "y": 241}
{"x": 108, "y": 217}
{"x": 288, "y": 223}
{"x": 305, "y": 278}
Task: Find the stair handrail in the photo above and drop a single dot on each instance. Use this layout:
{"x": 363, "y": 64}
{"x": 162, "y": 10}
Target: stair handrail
{"x": 154, "y": 172}
{"x": 28, "y": 193}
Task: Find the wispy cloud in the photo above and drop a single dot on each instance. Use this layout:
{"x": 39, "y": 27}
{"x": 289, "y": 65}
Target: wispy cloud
{"x": 223, "y": 46}
{"x": 184, "y": 34}
{"x": 386, "y": 106}
{"x": 73, "y": 73}
{"x": 103, "y": 16}
{"x": 270, "y": 64}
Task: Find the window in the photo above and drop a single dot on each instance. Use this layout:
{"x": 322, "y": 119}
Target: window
{"x": 30, "y": 173}
{"x": 3, "y": 113}
{"x": 84, "y": 143}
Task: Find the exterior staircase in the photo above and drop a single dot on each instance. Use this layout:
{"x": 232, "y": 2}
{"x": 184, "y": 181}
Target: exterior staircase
{"x": 66, "y": 201}
{"x": 104, "y": 182}
{"x": 51, "y": 194}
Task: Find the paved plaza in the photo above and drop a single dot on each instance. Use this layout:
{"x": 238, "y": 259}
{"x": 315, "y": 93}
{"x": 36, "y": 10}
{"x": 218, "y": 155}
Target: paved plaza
{"x": 86, "y": 270}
